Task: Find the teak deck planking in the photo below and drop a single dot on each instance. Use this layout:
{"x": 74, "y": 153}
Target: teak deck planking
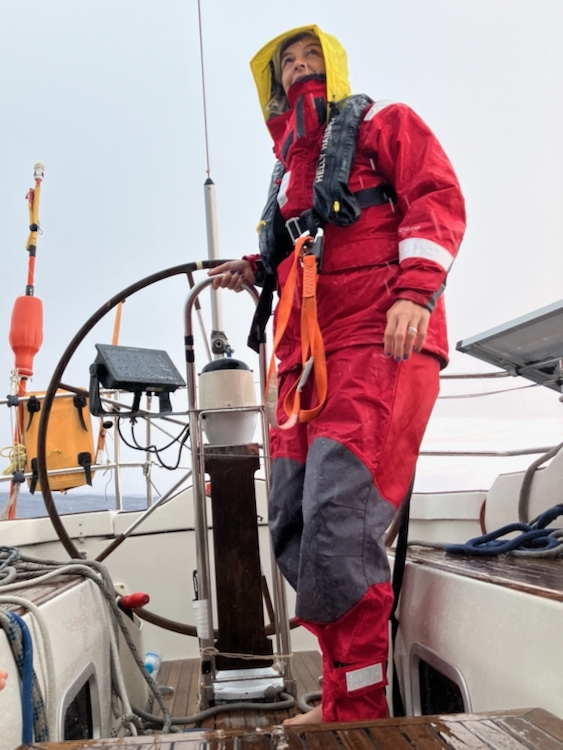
{"x": 183, "y": 675}
{"x": 536, "y": 576}
{"x": 527, "y": 729}
{"x": 43, "y": 592}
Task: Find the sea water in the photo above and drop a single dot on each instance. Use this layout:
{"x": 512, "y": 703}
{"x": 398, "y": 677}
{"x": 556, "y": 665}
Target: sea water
{"x": 32, "y": 506}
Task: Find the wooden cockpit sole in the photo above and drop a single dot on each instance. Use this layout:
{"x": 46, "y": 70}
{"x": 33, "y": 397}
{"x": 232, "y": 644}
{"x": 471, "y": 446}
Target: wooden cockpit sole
{"x": 182, "y": 676}
{"x": 532, "y": 729}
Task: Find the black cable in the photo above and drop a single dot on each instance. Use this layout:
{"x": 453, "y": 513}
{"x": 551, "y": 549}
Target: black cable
{"x": 284, "y": 701}
{"x": 153, "y": 448}
{"x": 398, "y": 572}
{"x": 181, "y": 438}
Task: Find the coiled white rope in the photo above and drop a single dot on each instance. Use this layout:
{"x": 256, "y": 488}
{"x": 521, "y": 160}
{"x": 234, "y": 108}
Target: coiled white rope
{"x": 30, "y": 573}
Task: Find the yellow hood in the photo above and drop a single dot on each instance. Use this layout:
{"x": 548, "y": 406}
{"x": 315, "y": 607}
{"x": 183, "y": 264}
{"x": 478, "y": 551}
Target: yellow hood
{"x": 337, "y": 86}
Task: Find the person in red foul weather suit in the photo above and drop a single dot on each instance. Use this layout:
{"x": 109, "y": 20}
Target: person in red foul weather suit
{"x": 338, "y": 480}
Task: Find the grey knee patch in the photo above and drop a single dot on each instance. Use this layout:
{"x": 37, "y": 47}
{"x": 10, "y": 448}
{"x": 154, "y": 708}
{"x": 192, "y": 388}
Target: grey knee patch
{"x": 285, "y": 517}
{"x": 342, "y": 552}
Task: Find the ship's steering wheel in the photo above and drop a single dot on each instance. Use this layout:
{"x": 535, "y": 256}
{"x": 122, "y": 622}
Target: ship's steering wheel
{"x": 56, "y": 383}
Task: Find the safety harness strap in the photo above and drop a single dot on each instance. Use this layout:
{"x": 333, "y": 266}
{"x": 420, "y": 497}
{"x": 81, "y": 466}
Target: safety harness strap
{"x": 374, "y": 196}
{"x": 296, "y": 226}
{"x": 313, "y": 357}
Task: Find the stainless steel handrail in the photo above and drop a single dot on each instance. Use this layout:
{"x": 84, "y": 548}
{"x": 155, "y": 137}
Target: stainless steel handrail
{"x": 200, "y": 506}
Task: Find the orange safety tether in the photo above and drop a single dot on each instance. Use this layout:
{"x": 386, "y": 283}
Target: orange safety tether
{"x": 26, "y": 336}
{"x": 313, "y": 358}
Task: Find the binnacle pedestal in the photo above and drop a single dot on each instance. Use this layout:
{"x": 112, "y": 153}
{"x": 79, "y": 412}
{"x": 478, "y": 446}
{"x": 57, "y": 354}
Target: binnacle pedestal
{"x": 238, "y": 577}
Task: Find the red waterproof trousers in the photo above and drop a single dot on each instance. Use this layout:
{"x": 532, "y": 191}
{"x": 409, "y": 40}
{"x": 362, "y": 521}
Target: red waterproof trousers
{"x": 336, "y": 484}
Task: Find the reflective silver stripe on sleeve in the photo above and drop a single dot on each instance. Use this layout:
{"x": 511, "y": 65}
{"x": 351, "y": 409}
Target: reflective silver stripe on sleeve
{"x": 417, "y": 247}
{"x": 364, "y": 677}
{"x": 377, "y": 107}
{"x": 282, "y": 194}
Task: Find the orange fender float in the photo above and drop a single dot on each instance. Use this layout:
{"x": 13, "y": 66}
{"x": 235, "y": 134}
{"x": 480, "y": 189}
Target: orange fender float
{"x": 26, "y": 332}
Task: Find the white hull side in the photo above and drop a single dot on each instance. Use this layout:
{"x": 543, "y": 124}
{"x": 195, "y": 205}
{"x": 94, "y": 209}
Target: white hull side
{"x": 502, "y": 642}
{"x": 77, "y": 624}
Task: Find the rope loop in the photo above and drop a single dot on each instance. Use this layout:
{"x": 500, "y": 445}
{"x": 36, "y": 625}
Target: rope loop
{"x": 16, "y": 455}
{"x": 8, "y": 556}
{"x": 534, "y": 540}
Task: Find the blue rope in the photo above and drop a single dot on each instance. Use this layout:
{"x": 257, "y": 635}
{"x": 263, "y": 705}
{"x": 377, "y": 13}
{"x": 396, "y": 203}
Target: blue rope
{"x": 548, "y": 516}
{"x": 24, "y": 661}
{"x": 533, "y": 538}
{"x": 20, "y": 642}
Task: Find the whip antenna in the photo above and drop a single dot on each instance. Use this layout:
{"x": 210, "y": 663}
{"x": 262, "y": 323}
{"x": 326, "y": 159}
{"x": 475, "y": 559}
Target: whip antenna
{"x": 208, "y": 168}
{"x": 219, "y": 344}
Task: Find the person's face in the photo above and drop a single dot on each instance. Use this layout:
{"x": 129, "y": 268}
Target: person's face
{"x": 302, "y": 58}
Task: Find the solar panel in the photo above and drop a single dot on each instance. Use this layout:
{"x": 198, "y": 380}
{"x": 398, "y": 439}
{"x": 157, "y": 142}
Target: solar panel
{"x": 530, "y": 346}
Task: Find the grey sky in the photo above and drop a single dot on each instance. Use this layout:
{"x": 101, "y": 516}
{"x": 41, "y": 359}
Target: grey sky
{"x": 108, "y": 95}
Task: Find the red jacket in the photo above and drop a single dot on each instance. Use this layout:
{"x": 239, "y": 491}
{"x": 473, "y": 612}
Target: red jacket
{"x": 393, "y": 252}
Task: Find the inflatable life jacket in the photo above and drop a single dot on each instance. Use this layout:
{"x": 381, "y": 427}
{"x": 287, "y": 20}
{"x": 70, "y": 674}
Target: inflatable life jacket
{"x": 69, "y": 439}
{"x": 333, "y": 201}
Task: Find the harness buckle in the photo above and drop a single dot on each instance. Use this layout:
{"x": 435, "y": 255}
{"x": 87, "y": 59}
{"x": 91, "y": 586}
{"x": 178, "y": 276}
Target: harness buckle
{"x": 315, "y": 247}
{"x": 295, "y": 228}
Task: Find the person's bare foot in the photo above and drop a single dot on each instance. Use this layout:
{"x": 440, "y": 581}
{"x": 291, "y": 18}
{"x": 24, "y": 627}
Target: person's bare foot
{"x": 311, "y": 717}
